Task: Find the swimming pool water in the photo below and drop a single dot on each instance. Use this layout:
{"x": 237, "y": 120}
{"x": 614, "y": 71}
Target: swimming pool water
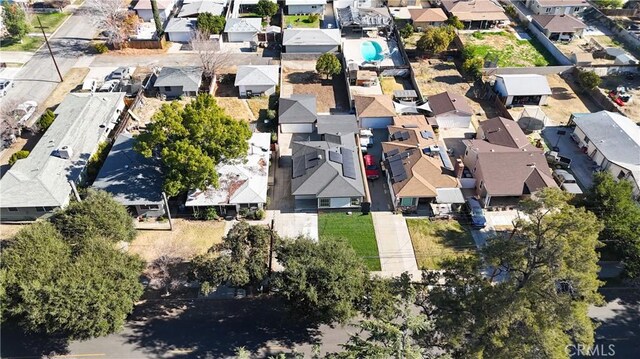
{"x": 371, "y": 51}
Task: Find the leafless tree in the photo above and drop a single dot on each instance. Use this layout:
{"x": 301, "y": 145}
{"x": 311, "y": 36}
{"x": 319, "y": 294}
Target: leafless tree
{"x": 109, "y": 16}
{"x": 161, "y": 271}
{"x": 9, "y": 129}
{"x": 212, "y": 56}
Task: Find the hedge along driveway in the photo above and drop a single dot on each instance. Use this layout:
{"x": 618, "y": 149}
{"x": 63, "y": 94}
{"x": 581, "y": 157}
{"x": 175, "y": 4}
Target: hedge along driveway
{"x": 509, "y": 51}
{"x": 356, "y": 229}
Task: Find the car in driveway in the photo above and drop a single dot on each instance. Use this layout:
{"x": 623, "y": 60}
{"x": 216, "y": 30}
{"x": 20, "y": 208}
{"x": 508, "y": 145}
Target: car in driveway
{"x": 476, "y": 213}
{"x": 120, "y": 73}
{"x": 566, "y": 181}
{"x": 366, "y": 140}
{"x": 5, "y": 85}
{"x": 109, "y": 86}
{"x": 24, "y": 111}
{"x": 370, "y": 167}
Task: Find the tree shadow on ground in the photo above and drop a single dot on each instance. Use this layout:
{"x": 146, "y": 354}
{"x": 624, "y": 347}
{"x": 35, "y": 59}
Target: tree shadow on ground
{"x": 306, "y": 77}
{"x": 562, "y": 93}
{"x": 215, "y": 328}
{"x": 14, "y": 342}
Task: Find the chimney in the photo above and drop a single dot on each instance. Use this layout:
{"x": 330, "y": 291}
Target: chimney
{"x": 459, "y": 167}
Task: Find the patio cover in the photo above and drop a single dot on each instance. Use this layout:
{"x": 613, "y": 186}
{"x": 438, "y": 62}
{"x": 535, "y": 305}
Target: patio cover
{"x": 410, "y": 107}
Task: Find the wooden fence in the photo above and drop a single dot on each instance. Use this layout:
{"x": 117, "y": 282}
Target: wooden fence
{"x": 146, "y": 44}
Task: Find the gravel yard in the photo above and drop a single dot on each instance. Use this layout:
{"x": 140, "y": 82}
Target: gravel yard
{"x": 331, "y": 94}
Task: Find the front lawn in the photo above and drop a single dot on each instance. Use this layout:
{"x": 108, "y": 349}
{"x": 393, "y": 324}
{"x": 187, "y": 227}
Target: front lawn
{"x": 434, "y": 241}
{"x": 29, "y": 43}
{"x": 301, "y": 21}
{"x": 504, "y": 47}
{"x": 50, "y": 21}
{"x": 356, "y": 229}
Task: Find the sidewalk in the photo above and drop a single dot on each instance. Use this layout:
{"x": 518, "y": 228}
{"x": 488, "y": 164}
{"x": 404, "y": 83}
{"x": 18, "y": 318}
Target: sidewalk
{"x": 394, "y": 244}
{"x": 17, "y": 57}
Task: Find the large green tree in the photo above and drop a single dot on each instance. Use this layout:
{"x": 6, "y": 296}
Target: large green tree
{"x": 211, "y": 24}
{"x": 532, "y": 300}
{"x": 266, "y": 8}
{"x": 50, "y": 287}
{"x": 191, "y": 140}
{"x": 393, "y": 327}
{"x": 241, "y": 260}
{"x": 98, "y": 215}
{"x": 14, "y": 20}
{"x": 320, "y": 281}
{"x": 328, "y": 64}
{"x": 612, "y": 201}
{"x": 436, "y": 39}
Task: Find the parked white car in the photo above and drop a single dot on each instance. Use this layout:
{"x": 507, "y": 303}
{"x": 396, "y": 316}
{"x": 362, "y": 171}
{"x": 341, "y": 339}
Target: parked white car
{"x": 24, "y": 111}
{"x": 109, "y": 86}
{"x": 5, "y": 85}
{"x": 90, "y": 85}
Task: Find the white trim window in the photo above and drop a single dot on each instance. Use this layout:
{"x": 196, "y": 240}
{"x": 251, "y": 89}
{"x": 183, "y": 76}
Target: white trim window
{"x": 324, "y": 202}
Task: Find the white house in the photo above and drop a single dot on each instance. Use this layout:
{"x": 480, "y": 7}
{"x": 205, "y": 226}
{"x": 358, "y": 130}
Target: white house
{"x": 143, "y": 9}
{"x": 451, "y": 110}
{"x": 528, "y": 89}
{"x": 254, "y": 80}
{"x": 242, "y": 183}
{"x": 317, "y": 41}
{"x": 375, "y": 111}
{"x": 44, "y": 181}
{"x": 612, "y": 141}
{"x": 557, "y": 7}
{"x": 297, "y": 7}
{"x": 243, "y": 29}
{"x": 180, "y": 29}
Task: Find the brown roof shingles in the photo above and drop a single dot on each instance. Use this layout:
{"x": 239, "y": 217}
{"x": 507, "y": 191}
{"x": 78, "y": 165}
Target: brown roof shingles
{"x": 374, "y": 106}
{"x": 559, "y": 23}
{"x": 428, "y": 15}
{"x": 447, "y": 101}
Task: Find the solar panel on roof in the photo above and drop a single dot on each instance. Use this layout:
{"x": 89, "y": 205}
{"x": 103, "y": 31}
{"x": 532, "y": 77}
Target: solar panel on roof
{"x": 348, "y": 164}
{"x": 392, "y": 153}
{"x": 401, "y": 177}
{"x": 396, "y": 167}
{"x": 426, "y": 134}
{"x": 299, "y": 169}
{"x": 335, "y": 157}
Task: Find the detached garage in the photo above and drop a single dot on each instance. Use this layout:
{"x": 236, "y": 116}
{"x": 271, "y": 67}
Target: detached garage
{"x": 243, "y": 29}
{"x": 523, "y": 90}
{"x": 180, "y": 29}
{"x": 297, "y": 114}
{"x": 451, "y": 110}
{"x": 257, "y": 80}
{"x": 317, "y": 41}
{"x": 375, "y": 111}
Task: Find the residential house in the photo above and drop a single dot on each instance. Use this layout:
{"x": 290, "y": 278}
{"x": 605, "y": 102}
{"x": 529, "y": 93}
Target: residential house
{"x": 416, "y": 167}
{"x": 476, "y": 14}
{"x": 557, "y": 7}
{"x": 297, "y": 114}
{"x": 132, "y": 179}
{"x": 429, "y": 17}
{"x": 255, "y": 80}
{"x": 559, "y": 27}
{"x": 527, "y": 89}
{"x": 174, "y": 82}
{"x": 298, "y": 7}
{"x": 403, "y": 3}
{"x": 180, "y": 29}
{"x": 505, "y": 165}
{"x": 612, "y": 141}
{"x": 44, "y": 181}
{"x": 451, "y": 110}
{"x": 242, "y": 183}
{"x": 143, "y": 9}
{"x": 375, "y": 111}
{"x": 314, "y": 41}
{"x": 327, "y": 173}
{"x": 194, "y": 8}
{"x": 243, "y": 29}
{"x": 359, "y": 19}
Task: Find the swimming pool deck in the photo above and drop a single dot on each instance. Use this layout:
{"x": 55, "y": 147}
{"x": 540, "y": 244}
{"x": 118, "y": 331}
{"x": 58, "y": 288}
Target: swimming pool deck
{"x": 352, "y": 49}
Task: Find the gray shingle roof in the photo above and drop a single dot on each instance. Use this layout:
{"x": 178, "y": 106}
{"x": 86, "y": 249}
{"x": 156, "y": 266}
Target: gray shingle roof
{"x": 257, "y": 75}
{"x": 200, "y": 7}
{"x": 131, "y": 178}
{"x": 525, "y": 85}
{"x": 297, "y": 109}
{"x": 334, "y": 124}
{"x": 188, "y": 77}
{"x": 616, "y": 136}
{"x": 244, "y": 24}
{"x": 181, "y": 24}
{"x": 310, "y": 37}
{"x": 42, "y": 180}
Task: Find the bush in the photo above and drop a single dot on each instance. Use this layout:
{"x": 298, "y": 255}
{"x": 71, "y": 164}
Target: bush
{"x": 510, "y": 10}
{"x": 274, "y": 137}
{"x": 473, "y": 67}
{"x": 271, "y": 114}
{"x": 100, "y": 47}
{"x": 406, "y": 31}
{"x": 455, "y": 22}
{"x": 313, "y": 18}
{"x": 18, "y": 156}
{"x": 210, "y": 214}
{"x": 259, "y": 214}
{"x": 46, "y": 120}
{"x": 589, "y": 79}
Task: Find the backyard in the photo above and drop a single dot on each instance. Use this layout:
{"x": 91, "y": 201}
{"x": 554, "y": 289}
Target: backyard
{"x": 300, "y": 77}
{"x": 434, "y": 241}
{"x": 356, "y": 229}
{"x": 301, "y": 21}
{"x": 506, "y": 49}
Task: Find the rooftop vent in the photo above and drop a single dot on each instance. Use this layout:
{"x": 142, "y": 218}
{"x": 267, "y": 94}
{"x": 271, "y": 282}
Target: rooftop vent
{"x": 64, "y": 152}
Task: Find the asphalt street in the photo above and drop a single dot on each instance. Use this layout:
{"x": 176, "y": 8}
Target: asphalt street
{"x": 38, "y": 77}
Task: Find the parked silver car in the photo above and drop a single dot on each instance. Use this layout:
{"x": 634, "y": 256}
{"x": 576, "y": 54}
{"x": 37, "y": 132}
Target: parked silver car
{"x": 566, "y": 181}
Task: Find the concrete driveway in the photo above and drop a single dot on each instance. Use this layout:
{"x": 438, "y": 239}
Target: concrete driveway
{"x": 394, "y": 244}
{"x": 581, "y": 164}
{"x": 291, "y": 225}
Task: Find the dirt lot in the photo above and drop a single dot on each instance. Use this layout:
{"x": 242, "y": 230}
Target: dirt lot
{"x": 390, "y": 84}
{"x": 331, "y": 94}
{"x": 151, "y": 105}
{"x": 564, "y": 101}
{"x": 236, "y": 108}
{"x": 7, "y": 231}
{"x": 188, "y": 239}
{"x": 632, "y": 109}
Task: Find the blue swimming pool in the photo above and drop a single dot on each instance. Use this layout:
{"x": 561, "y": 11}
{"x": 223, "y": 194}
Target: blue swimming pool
{"x": 371, "y": 51}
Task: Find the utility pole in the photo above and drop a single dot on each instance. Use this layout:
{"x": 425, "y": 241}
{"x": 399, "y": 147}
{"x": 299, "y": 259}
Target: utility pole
{"x": 49, "y": 47}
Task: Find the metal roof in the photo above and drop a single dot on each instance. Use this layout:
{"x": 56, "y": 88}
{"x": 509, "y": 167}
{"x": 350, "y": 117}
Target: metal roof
{"x": 449, "y": 195}
{"x": 311, "y": 37}
{"x": 244, "y": 24}
{"x": 525, "y": 85}
{"x": 615, "y": 136}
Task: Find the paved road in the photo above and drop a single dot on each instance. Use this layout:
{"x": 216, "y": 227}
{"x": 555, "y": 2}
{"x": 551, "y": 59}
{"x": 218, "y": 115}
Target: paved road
{"x": 38, "y": 78}
{"x": 199, "y": 329}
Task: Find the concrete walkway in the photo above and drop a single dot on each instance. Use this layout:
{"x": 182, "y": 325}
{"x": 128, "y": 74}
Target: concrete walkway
{"x": 292, "y": 225}
{"x": 394, "y": 243}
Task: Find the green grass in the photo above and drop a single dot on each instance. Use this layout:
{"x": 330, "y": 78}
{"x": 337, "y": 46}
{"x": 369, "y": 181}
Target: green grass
{"x": 50, "y": 21}
{"x": 356, "y": 229}
{"x": 507, "y": 49}
{"x": 300, "y": 21}
{"x": 434, "y": 241}
{"x": 29, "y": 43}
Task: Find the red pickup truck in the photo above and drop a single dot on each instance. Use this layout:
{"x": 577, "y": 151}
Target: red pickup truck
{"x": 371, "y": 168}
